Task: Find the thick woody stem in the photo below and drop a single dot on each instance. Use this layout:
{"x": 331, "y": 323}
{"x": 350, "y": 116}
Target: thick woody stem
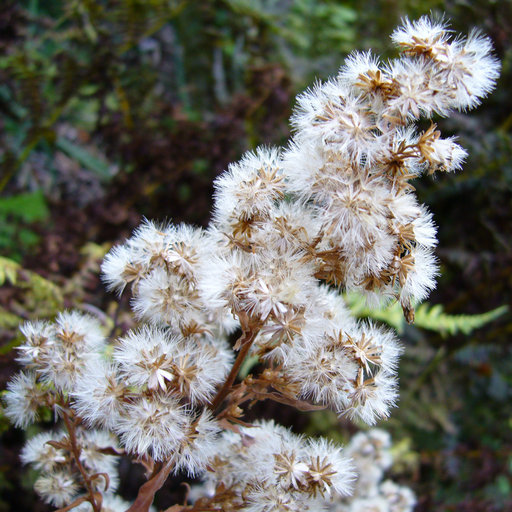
{"x": 75, "y": 450}
{"x": 244, "y": 342}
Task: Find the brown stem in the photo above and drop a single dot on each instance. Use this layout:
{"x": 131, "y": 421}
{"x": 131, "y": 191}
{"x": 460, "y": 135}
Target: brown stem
{"x": 75, "y": 450}
{"x": 147, "y": 492}
{"x": 244, "y": 342}
{"x": 71, "y": 506}
{"x": 256, "y": 390}
{"x": 160, "y": 473}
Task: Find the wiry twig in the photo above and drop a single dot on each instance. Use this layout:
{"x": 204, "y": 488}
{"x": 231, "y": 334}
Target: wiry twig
{"x": 249, "y": 332}
{"x": 94, "y": 498}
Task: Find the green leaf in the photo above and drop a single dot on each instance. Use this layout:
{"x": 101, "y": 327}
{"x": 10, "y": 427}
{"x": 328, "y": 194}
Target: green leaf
{"x": 427, "y": 316}
{"x": 85, "y": 158}
{"x": 29, "y": 207}
{"x": 8, "y": 270}
{"x": 391, "y": 315}
{"x": 435, "y": 319}
{"x": 248, "y": 364}
{"x": 39, "y": 294}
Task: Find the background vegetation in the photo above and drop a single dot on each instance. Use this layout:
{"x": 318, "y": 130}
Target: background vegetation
{"x": 116, "y": 109}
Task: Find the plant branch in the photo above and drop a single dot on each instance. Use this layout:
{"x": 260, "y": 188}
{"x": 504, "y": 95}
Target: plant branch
{"x": 147, "y": 492}
{"x": 75, "y": 450}
{"x": 244, "y": 342}
{"x": 259, "y": 389}
{"x": 72, "y": 505}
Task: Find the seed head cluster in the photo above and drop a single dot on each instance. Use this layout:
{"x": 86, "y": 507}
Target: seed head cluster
{"x": 266, "y": 467}
{"x": 59, "y": 482}
{"x": 372, "y": 457}
{"x": 333, "y": 211}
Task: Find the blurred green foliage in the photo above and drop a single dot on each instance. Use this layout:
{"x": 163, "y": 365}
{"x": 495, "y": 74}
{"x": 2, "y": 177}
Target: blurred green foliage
{"x": 85, "y": 62}
{"x": 17, "y": 213}
{"x": 36, "y": 297}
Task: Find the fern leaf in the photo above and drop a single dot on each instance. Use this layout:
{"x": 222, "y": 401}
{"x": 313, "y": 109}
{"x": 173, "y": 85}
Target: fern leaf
{"x": 435, "y": 319}
{"x": 391, "y": 315}
{"x": 427, "y": 316}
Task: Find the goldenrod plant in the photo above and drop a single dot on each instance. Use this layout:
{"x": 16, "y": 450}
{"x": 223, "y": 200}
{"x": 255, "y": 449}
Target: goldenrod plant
{"x": 333, "y": 211}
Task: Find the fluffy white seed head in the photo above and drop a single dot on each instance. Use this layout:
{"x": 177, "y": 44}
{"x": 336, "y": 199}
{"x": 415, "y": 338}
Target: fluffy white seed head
{"x": 372, "y": 398}
{"x": 93, "y": 444}
{"x": 145, "y": 357}
{"x": 42, "y": 455}
{"x": 248, "y": 189}
{"x": 110, "y": 503}
{"x": 57, "y": 488}
{"x": 119, "y": 268}
{"x": 420, "y": 271}
{"x": 39, "y": 340}
{"x": 154, "y": 425}
{"x": 199, "y": 446}
{"x": 423, "y": 36}
{"x": 77, "y": 339}
{"x": 372, "y": 456}
{"x": 24, "y": 397}
{"x": 399, "y": 497}
{"x": 100, "y": 394}
{"x": 266, "y": 467}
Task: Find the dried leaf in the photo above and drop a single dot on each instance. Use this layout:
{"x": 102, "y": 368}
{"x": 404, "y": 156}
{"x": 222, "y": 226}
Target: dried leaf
{"x": 150, "y": 488}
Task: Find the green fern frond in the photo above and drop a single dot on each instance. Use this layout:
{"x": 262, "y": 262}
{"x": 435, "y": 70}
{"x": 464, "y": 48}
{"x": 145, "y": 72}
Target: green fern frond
{"x": 427, "y": 316}
{"x": 391, "y": 315}
{"x": 435, "y": 319}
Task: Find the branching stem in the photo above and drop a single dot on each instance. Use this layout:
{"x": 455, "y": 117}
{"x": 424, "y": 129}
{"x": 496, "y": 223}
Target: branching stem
{"x": 245, "y": 342}
{"x": 75, "y": 450}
